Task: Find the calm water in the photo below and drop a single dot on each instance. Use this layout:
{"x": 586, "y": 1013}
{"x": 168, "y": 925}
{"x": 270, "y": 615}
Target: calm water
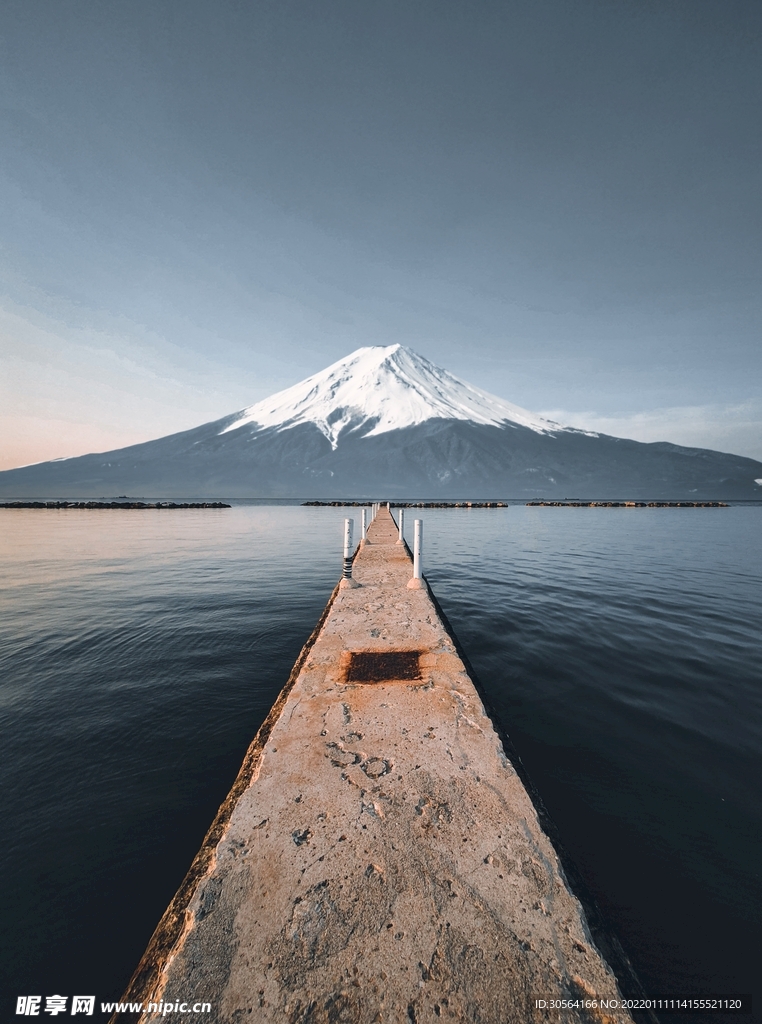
{"x": 140, "y": 651}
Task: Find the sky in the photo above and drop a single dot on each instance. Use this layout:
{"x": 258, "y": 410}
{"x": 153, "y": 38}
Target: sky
{"x": 204, "y": 201}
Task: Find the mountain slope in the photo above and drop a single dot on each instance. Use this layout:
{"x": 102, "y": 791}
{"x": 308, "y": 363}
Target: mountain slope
{"x": 386, "y": 422}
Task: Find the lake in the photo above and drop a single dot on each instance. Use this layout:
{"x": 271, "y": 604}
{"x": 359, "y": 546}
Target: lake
{"x": 620, "y": 649}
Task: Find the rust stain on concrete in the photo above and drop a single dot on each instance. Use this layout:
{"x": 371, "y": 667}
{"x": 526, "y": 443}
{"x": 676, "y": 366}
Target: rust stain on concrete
{"x": 378, "y": 859}
{"x": 381, "y": 666}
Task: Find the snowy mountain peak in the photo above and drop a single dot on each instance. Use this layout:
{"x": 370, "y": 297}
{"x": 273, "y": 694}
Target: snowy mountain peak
{"x": 383, "y": 388}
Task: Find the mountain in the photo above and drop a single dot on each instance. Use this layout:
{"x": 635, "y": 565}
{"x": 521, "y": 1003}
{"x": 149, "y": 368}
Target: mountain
{"x": 377, "y": 390}
{"x": 385, "y": 422}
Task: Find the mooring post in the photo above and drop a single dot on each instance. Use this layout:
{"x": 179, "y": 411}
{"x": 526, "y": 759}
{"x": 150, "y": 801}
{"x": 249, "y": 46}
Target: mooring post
{"x": 401, "y": 513}
{"x": 346, "y": 578}
{"x": 417, "y": 581}
{"x": 348, "y": 527}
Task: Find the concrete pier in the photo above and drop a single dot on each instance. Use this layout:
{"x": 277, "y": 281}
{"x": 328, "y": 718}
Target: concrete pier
{"x": 378, "y": 859}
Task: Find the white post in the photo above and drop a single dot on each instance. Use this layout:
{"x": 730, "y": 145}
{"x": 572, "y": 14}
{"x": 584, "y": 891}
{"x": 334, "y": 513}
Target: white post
{"x": 416, "y": 583}
{"x": 348, "y": 528}
{"x": 364, "y": 525}
{"x": 417, "y": 549}
{"x": 401, "y": 514}
{"x": 346, "y": 576}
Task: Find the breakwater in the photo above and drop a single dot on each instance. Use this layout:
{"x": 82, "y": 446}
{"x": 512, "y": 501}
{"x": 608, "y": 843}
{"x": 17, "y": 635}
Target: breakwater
{"x": 378, "y": 858}
{"x": 530, "y": 504}
{"x": 412, "y": 504}
{"x": 113, "y": 504}
{"x": 627, "y": 504}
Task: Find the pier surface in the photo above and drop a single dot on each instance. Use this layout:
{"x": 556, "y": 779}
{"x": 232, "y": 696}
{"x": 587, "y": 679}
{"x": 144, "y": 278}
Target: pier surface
{"x": 378, "y": 859}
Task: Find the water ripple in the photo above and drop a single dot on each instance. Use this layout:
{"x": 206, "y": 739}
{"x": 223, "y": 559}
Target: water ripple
{"x": 139, "y": 654}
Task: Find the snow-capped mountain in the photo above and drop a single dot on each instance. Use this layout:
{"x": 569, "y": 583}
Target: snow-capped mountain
{"x": 386, "y": 423}
{"x": 382, "y": 388}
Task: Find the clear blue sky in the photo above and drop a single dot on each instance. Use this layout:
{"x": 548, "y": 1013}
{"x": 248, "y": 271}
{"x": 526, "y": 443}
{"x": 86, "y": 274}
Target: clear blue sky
{"x": 203, "y": 202}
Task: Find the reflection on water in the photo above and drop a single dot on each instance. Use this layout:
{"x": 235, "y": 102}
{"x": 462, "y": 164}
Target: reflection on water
{"x": 139, "y": 652}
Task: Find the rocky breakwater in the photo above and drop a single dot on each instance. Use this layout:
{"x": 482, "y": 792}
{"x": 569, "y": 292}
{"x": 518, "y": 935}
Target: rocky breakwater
{"x": 627, "y": 504}
{"x": 378, "y": 858}
{"x": 113, "y": 504}
{"x": 413, "y": 504}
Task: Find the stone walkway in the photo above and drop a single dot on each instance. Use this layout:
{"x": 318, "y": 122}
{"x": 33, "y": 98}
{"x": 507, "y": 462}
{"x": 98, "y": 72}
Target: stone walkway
{"x": 378, "y": 859}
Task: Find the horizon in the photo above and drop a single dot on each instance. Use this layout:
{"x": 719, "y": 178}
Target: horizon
{"x": 202, "y": 208}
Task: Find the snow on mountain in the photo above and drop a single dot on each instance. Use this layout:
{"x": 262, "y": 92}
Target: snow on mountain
{"x": 384, "y": 388}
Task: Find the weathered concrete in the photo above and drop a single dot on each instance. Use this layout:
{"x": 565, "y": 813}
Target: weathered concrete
{"x": 379, "y": 859}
